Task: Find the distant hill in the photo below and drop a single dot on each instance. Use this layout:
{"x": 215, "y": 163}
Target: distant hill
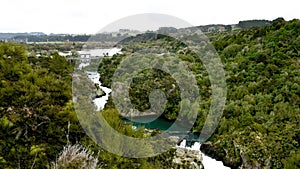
{"x": 116, "y": 36}
{"x": 11, "y": 36}
{"x": 241, "y": 25}
{"x": 253, "y": 23}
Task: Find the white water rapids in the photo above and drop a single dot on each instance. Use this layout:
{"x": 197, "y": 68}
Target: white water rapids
{"x": 208, "y": 162}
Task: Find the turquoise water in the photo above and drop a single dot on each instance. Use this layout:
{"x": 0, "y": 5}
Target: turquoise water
{"x": 159, "y": 123}
{"x": 163, "y": 125}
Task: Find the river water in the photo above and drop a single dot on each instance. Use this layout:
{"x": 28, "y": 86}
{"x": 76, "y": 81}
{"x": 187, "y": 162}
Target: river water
{"x": 99, "y": 102}
{"x": 160, "y": 123}
{"x": 164, "y": 124}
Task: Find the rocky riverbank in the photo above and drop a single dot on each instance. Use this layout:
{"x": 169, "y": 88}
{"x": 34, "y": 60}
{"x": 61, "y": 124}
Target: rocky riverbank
{"x": 240, "y": 160}
{"x": 219, "y": 154}
{"x": 188, "y": 157}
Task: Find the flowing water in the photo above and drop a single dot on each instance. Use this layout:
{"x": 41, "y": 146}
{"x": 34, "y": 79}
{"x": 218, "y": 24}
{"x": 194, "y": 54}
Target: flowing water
{"x": 99, "y": 102}
{"x": 160, "y": 123}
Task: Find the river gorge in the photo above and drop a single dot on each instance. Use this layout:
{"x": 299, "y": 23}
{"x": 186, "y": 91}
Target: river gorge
{"x": 160, "y": 124}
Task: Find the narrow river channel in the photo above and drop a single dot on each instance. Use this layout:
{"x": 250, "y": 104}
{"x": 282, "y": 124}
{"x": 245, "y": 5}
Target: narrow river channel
{"x": 162, "y": 124}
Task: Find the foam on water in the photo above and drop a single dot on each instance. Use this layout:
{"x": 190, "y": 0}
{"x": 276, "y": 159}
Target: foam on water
{"x": 208, "y": 162}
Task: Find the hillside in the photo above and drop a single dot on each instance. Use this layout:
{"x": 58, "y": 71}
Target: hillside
{"x": 260, "y": 124}
{"x": 259, "y": 127}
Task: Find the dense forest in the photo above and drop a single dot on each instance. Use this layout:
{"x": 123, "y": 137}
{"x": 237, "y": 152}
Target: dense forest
{"x": 38, "y": 119}
{"x": 259, "y": 127}
{"x": 260, "y": 124}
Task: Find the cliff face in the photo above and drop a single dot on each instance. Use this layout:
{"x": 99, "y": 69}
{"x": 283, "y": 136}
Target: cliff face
{"x": 219, "y": 154}
{"x": 239, "y": 162}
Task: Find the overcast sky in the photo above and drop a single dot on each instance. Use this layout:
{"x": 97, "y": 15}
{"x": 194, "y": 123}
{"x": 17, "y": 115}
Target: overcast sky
{"x": 90, "y": 16}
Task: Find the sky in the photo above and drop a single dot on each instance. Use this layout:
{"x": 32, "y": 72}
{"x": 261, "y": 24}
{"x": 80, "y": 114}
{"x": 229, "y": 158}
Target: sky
{"x": 90, "y": 16}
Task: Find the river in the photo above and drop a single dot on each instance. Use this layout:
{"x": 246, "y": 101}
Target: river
{"x": 99, "y": 102}
{"x": 164, "y": 124}
{"x": 160, "y": 123}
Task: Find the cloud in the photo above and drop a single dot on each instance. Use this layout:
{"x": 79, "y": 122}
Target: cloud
{"x": 89, "y": 16}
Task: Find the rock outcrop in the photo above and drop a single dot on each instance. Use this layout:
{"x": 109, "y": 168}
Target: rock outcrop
{"x": 219, "y": 154}
{"x": 188, "y": 158}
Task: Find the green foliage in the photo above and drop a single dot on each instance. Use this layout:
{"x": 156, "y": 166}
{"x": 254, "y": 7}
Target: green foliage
{"x": 33, "y": 108}
{"x": 260, "y": 124}
{"x": 144, "y": 82}
{"x": 262, "y": 112}
{"x": 37, "y": 117}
